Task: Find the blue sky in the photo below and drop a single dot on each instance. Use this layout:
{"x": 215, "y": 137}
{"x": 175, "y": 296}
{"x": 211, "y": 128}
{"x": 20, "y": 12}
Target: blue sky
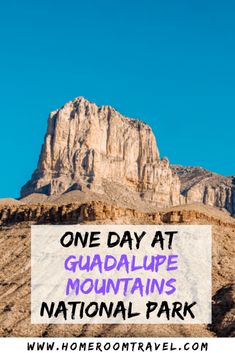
{"x": 169, "y": 63}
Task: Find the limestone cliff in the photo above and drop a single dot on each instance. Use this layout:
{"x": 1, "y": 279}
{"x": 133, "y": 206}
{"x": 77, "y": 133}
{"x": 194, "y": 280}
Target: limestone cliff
{"x": 200, "y": 185}
{"x": 87, "y": 146}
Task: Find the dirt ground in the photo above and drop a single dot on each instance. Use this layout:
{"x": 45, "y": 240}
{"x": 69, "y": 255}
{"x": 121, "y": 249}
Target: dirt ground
{"x": 15, "y": 222}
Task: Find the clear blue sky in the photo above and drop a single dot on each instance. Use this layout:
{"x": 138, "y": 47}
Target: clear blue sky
{"x": 169, "y": 63}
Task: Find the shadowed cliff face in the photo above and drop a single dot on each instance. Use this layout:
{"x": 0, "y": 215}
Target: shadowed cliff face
{"x": 202, "y": 186}
{"x": 223, "y": 311}
{"x": 86, "y": 146}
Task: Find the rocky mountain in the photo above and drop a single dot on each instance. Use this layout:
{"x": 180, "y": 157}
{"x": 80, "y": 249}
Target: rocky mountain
{"x": 203, "y": 186}
{"x": 99, "y": 167}
{"x": 88, "y": 147}
{"x": 106, "y": 156}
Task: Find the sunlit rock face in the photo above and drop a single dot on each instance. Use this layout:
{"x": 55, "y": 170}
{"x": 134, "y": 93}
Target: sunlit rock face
{"x": 87, "y": 146}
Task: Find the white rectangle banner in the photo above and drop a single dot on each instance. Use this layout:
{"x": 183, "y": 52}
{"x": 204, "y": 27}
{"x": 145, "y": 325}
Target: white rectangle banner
{"x": 119, "y": 345}
{"x": 117, "y": 274}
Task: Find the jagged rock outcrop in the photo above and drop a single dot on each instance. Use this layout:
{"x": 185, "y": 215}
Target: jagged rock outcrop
{"x": 86, "y": 146}
{"x": 203, "y": 186}
{"x": 74, "y": 213}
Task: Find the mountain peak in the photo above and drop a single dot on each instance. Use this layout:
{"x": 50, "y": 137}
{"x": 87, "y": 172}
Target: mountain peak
{"x": 87, "y": 146}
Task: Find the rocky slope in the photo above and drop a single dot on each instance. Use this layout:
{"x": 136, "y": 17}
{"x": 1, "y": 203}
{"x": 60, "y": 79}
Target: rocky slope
{"x": 15, "y": 221}
{"x": 200, "y": 185}
{"x": 87, "y": 146}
